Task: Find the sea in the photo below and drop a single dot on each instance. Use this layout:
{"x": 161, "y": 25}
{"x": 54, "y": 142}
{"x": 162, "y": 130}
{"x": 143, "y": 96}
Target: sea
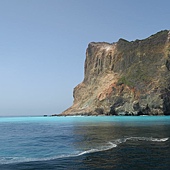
{"x": 85, "y": 143}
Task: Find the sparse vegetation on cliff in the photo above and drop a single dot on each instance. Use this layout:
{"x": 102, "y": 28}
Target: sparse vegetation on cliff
{"x": 127, "y": 78}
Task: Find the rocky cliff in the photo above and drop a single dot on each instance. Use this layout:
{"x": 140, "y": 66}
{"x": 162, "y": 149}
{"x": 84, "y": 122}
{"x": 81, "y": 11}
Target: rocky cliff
{"x": 125, "y": 78}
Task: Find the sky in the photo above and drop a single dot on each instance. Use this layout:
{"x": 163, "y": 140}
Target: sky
{"x": 43, "y": 45}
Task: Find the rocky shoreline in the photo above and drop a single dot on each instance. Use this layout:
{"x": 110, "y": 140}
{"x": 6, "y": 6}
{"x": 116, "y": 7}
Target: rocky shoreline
{"x": 87, "y": 114}
{"x": 125, "y": 78}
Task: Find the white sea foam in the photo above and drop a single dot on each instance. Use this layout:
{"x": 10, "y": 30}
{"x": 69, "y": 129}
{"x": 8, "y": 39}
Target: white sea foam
{"x": 148, "y": 139}
{"x": 151, "y": 139}
{"x": 104, "y": 148}
{"x": 10, "y": 160}
{"x": 108, "y": 146}
{"x": 160, "y": 140}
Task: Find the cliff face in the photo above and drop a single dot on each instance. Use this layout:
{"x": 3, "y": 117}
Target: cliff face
{"x": 131, "y": 78}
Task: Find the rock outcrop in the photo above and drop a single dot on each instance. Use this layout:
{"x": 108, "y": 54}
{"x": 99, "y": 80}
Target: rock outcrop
{"x": 125, "y": 78}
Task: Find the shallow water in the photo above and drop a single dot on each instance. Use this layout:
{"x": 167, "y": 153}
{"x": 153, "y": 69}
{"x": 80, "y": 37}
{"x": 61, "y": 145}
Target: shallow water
{"x": 85, "y": 143}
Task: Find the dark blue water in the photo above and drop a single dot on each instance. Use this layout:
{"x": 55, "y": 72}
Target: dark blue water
{"x": 120, "y": 143}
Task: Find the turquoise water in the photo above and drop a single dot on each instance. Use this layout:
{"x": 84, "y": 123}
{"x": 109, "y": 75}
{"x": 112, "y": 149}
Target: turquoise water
{"x": 84, "y": 142}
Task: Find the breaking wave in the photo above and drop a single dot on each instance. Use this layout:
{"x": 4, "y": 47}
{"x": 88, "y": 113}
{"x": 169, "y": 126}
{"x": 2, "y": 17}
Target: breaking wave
{"x": 104, "y": 148}
{"x": 151, "y": 139}
{"x": 108, "y": 146}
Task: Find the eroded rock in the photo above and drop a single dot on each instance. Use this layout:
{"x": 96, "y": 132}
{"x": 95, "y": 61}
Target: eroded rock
{"x": 130, "y": 78}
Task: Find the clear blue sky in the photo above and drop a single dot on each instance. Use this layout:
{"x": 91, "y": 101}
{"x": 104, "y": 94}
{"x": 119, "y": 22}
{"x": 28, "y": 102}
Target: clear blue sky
{"x": 43, "y": 44}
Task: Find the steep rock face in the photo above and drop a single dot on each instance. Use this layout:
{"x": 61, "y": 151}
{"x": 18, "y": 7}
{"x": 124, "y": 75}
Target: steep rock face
{"x": 125, "y": 78}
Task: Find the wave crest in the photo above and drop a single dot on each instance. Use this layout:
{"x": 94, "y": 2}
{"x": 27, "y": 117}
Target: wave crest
{"x": 148, "y": 139}
{"x": 108, "y": 146}
{"x": 104, "y": 148}
{"x": 151, "y": 139}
